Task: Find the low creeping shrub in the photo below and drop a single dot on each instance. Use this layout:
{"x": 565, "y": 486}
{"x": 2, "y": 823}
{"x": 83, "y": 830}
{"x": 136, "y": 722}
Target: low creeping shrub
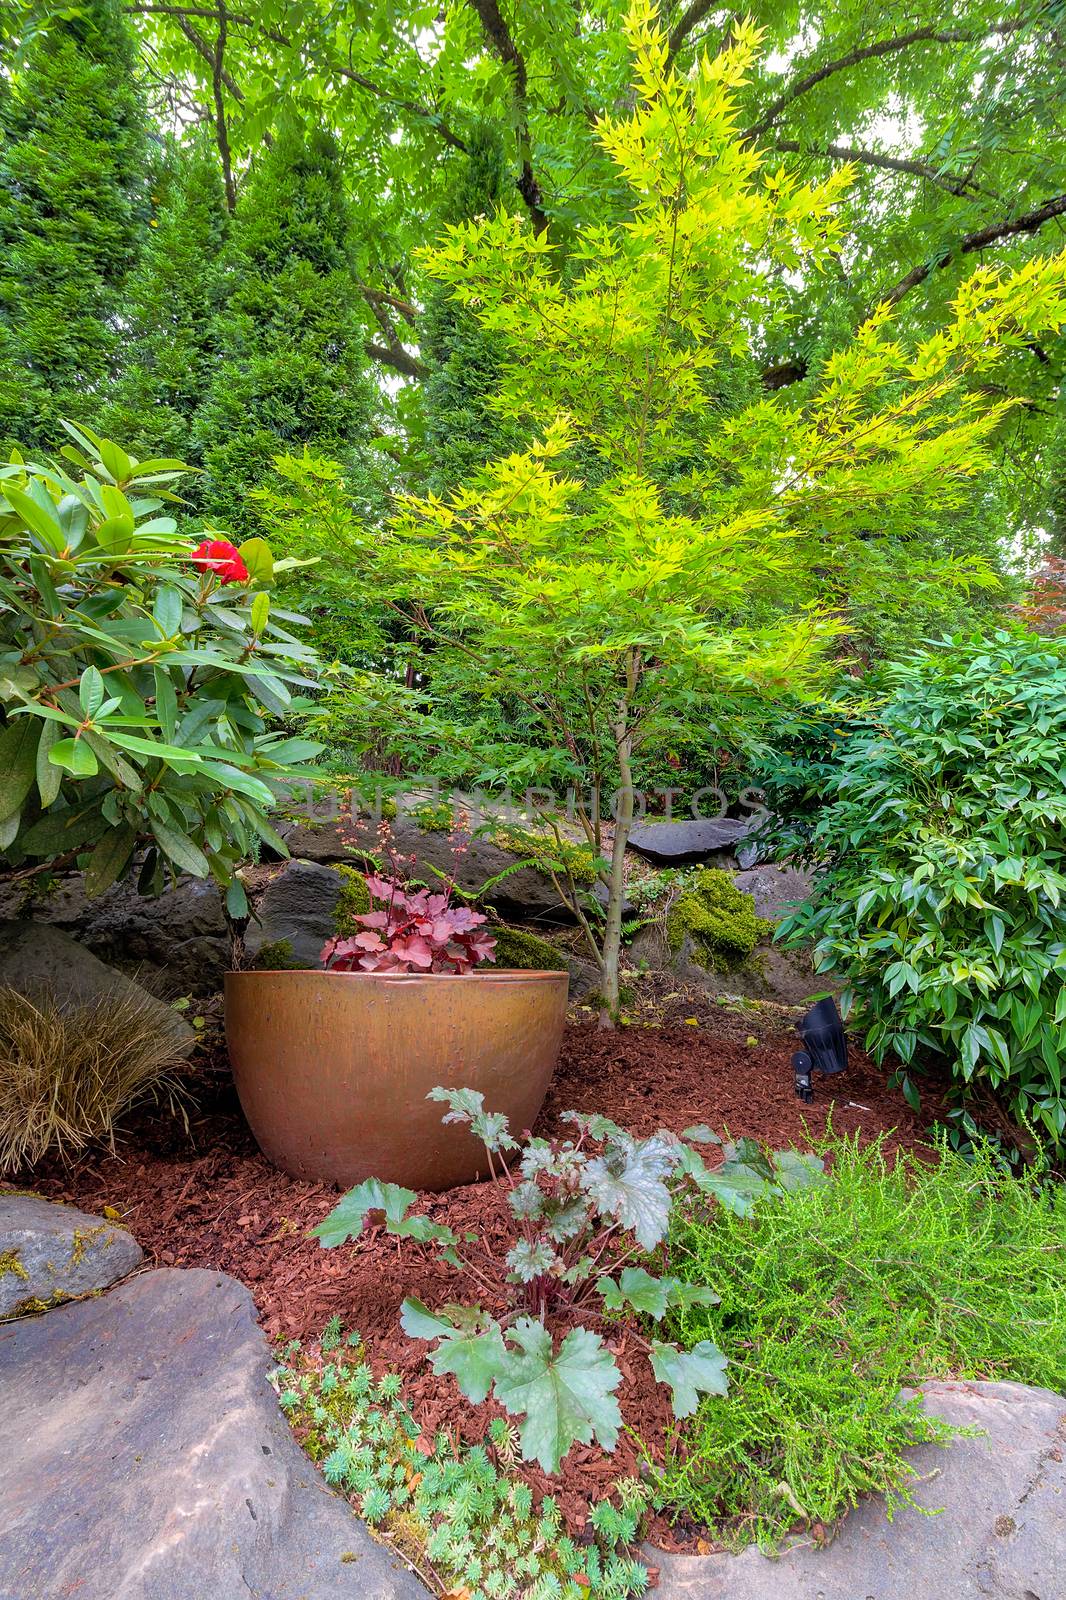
{"x": 588, "y": 1214}
{"x": 837, "y": 1297}
{"x": 460, "y": 1519}
{"x": 66, "y": 1076}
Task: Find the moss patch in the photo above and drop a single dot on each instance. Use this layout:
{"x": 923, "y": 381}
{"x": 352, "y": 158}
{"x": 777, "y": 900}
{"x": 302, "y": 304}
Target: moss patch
{"x": 562, "y": 855}
{"x": 353, "y": 901}
{"x": 718, "y": 918}
{"x": 277, "y": 956}
{"x": 10, "y": 1264}
{"x": 525, "y": 951}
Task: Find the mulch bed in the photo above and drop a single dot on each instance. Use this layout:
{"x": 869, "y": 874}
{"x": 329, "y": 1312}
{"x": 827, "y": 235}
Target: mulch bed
{"x": 207, "y": 1198}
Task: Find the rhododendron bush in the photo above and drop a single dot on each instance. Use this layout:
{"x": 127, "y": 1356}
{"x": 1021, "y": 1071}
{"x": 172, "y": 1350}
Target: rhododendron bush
{"x": 141, "y": 678}
{"x": 414, "y": 930}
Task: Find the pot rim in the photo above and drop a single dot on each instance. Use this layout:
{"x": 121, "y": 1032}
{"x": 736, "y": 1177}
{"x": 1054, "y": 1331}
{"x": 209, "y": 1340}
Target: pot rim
{"x": 531, "y": 973}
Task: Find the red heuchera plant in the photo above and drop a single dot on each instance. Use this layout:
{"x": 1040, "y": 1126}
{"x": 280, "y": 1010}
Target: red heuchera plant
{"x": 415, "y": 931}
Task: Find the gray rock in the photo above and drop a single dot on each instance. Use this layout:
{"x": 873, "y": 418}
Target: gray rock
{"x": 35, "y": 957}
{"x": 775, "y": 889}
{"x": 676, "y": 844}
{"x": 50, "y": 1253}
{"x": 999, "y": 1532}
{"x": 525, "y": 895}
{"x": 145, "y": 1458}
{"x": 297, "y": 906}
{"x": 181, "y": 934}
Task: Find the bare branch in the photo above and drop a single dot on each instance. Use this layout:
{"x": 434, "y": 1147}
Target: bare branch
{"x": 870, "y": 52}
{"x": 221, "y": 130}
{"x": 1029, "y": 222}
{"x": 499, "y": 37}
{"x": 399, "y": 359}
{"x": 238, "y": 20}
{"x": 690, "y": 18}
{"x": 875, "y": 158}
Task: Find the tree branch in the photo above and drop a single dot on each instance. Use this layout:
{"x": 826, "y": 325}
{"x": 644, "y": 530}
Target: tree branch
{"x": 978, "y": 240}
{"x": 499, "y": 37}
{"x": 870, "y": 52}
{"x": 238, "y": 20}
{"x": 793, "y": 371}
{"x": 875, "y": 158}
{"x": 690, "y": 18}
{"x": 221, "y": 131}
{"x": 396, "y": 357}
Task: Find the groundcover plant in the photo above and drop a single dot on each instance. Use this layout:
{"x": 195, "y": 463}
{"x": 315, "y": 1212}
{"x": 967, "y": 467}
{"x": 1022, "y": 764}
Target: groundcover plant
{"x": 588, "y": 1214}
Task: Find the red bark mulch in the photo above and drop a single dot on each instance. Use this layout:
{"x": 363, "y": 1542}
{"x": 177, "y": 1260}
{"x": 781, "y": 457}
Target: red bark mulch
{"x": 209, "y": 1199}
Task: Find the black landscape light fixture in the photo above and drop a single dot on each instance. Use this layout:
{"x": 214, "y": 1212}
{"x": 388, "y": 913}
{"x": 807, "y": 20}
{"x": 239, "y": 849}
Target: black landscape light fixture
{"x": 824, "y": 1046}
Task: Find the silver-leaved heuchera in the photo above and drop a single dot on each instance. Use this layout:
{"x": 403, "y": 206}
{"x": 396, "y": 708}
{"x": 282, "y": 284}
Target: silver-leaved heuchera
{"x": 590, "y": 1216}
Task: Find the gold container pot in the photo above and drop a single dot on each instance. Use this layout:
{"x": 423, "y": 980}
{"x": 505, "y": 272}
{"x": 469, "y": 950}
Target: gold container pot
{"x": 333, "y": 1068}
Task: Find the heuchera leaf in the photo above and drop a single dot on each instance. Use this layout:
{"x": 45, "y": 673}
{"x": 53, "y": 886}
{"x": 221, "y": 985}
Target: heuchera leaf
{"x": 348, "y": 1218}
{"x": 638, "y": 1289}
{"x": 566, "y": 1398}
{"x": 635, "y": 1196}
{"x": 471, "y": 1344}
{"x": 689, "y": 1373}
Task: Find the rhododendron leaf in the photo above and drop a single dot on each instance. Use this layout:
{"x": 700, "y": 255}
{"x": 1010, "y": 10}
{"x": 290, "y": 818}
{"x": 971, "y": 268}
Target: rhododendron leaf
{"x": 471, "y": 1345}
{"x": 637, "y": 1289}
{"x": 633, "y": 1195}
{"x": 689, "y": 1373}
{"x": 348, "y": 1217}
{"x": 566, "y": 1397}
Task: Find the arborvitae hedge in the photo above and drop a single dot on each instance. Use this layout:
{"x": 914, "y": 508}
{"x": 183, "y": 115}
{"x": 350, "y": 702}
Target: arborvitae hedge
{"x": 292, "y": 365}
{"x": 172, "y": 300}
{"x": 73, "y": 208}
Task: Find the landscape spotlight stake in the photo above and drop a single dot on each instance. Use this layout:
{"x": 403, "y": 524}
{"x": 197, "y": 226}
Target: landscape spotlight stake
{"x": 824, "y": 1046}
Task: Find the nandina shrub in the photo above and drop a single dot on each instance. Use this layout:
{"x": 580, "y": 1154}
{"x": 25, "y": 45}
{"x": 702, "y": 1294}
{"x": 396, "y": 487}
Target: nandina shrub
{"x": 588, "y": 1213}
{"x": 412, "y": 930}
{"x": 941, "y": 890}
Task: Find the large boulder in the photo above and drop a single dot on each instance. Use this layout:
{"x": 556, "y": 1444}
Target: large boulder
{"x": 50, "y": 1253}
{"x": 991, "y": 1523}
{"x": 523, "y": 895}
{"x": 180, "y": 934}
{"x": 295, "y": 915}
{"x": 145, "y": 1458}
{"x": 677, "y": 844}
{"x": 36, "y": 958}
{"x": 776, "y": 889}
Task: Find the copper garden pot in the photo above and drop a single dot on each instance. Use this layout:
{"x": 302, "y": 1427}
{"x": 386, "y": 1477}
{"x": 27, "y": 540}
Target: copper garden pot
{"x": 333, "y": 1068}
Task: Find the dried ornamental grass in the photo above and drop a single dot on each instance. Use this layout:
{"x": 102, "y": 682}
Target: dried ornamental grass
{"x": 67, "y": 1075}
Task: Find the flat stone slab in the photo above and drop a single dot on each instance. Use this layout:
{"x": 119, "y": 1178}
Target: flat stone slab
{"x": 678, "y": 843}
{"x": 145, "y": 1458}
{"x": 50, "y": 1253}
{"x": 999, "y": 1532}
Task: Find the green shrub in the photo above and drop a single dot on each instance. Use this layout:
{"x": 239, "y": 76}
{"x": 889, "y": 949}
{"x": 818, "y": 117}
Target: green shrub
{"x": 526, "y": 952}
{"x": 941, "y": 893}
{"x": 140, "y": 684}
{"x": 833, "y": 1298}
{"x": 718, "y": 918}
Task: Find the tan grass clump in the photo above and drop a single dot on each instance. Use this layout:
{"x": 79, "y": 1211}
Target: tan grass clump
{"x": 67, "y": 1075}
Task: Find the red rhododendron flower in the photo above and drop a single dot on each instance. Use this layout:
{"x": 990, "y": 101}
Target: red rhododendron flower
{"x": 221, "y": 558}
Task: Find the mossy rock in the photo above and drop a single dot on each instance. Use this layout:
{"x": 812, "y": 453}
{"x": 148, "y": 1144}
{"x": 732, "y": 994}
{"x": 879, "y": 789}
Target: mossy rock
{"x": 717, "y": 919}
{"x": 562, "y": 855}
{"x": 526, "y": 952}
{"x": 277, "y": 956}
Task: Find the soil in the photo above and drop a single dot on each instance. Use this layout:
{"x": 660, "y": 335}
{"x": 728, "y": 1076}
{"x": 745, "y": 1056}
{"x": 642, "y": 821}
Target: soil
{"x": 205, "y": 1197}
